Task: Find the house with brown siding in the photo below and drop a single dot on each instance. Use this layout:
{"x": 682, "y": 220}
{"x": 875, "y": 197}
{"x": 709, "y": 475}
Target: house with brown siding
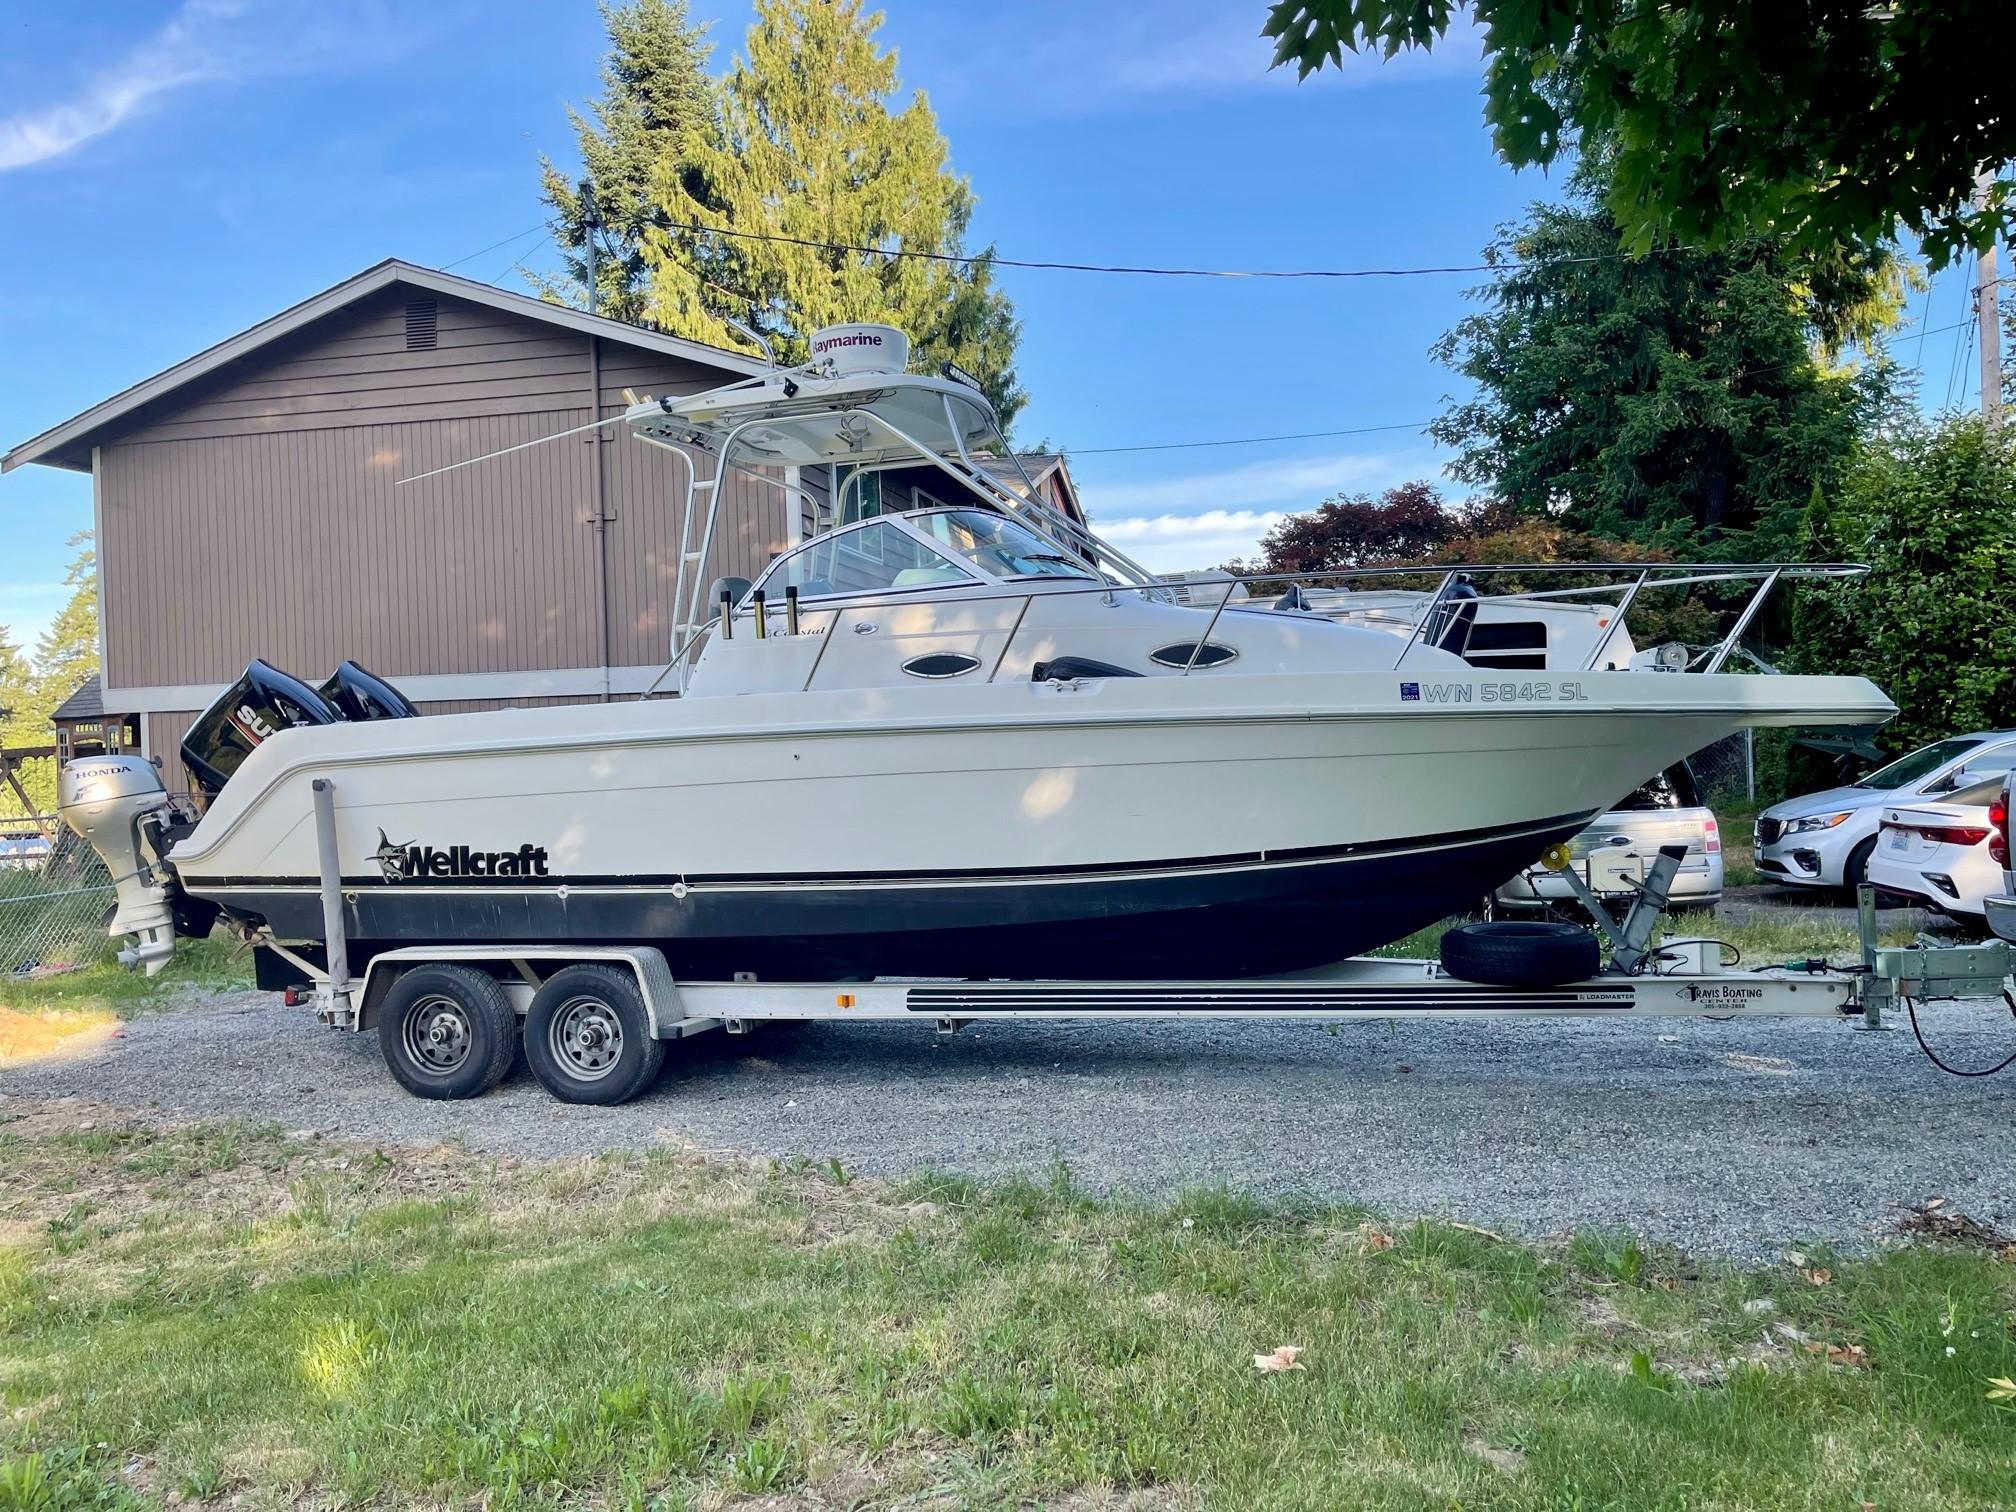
{"x": 245, "y": 504}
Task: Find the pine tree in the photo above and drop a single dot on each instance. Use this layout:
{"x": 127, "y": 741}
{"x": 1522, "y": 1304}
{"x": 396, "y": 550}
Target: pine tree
{"x": 811, "y": 152}
{"x": 67, "y": 652}
{"x": 20, "y": 724}
{"x": 656, "y": 114}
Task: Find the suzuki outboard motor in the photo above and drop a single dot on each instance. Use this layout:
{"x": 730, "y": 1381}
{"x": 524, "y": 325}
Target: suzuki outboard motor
{"x": 117, "y": 806}
{"x": 357, "y": 694}
{"x": 252, "y": 710}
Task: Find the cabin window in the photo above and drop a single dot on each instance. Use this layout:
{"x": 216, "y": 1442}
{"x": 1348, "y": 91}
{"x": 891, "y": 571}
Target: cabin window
{"x": 873, "y": 559}
{"x": 1210, "y": 655}
{"x": 941, "y": 664}
{"x": 1514, "y": 645}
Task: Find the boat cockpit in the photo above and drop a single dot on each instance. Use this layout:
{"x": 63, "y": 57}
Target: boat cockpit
{"x": 966, "y": 593}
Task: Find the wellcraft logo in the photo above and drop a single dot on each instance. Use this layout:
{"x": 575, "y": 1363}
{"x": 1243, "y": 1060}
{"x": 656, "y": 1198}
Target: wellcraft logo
{"x": 407, "y": 862}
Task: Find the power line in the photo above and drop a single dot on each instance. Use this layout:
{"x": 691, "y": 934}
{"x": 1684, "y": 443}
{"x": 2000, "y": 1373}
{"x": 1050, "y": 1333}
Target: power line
{"x": 1073, "y": 267}
{"x": 444, "y": 267}
{"x": 1366, "y": 430}
{"x": 1362, "y": 430}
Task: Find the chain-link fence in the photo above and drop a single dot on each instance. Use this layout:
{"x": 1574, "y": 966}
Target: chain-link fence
{"x": 1726, "y": 772}
{"x": 54, "y": 892}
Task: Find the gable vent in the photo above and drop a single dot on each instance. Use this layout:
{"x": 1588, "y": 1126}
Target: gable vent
{"x": 421, "y": 322}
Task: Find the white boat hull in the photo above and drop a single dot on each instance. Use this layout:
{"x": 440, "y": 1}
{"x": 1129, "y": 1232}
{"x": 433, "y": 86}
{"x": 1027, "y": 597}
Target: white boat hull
{"x": 1167, "y": 826}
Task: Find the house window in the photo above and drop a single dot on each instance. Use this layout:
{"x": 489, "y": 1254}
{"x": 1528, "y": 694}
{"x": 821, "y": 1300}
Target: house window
{"x": 860, "y": 497}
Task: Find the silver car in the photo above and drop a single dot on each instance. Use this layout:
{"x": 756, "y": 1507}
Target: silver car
{"x": 1613, "y": 854}
{"x": 1826, "y": 839}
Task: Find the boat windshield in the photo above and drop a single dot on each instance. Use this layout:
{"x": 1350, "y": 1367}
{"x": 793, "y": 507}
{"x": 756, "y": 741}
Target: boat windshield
{"x": 998, "y": 546}
{"x": 875, "y": 558}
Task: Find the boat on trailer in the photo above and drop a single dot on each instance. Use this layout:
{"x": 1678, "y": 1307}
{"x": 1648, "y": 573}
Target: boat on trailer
{"x": 970, "y": 741}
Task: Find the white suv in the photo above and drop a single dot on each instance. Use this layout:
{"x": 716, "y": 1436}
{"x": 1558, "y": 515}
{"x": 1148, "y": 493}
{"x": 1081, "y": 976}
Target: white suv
{"x": 1825, "y": 839}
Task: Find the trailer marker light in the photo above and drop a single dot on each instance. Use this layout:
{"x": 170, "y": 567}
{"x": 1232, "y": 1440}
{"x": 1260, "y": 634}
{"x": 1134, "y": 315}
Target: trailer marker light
{"x": 843, "y": 1000}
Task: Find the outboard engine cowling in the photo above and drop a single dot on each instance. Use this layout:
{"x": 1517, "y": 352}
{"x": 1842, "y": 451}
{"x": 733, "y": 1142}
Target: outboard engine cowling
{"x": 252, "y": 710}
{"x": 357, "y": 694}
{"x": 115, "y": 805}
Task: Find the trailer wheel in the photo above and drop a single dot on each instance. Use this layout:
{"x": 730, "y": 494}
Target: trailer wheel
{"x": 588, "y": 1037}
{"x": 447, "y": 1032}
{"x": 1520, "y": 953}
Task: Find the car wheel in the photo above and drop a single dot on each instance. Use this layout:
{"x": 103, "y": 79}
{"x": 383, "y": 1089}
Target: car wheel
{"x": 447, "y": 1032}
{"x": 588, "y": 1036}
{"x": 1856, "y": 872}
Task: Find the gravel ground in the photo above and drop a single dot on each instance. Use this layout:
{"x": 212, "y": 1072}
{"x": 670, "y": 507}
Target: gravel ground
{"x": 1734, "y": 1138}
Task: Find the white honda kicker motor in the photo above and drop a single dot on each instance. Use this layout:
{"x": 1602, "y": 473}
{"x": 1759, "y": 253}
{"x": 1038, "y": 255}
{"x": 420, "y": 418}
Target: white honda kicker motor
{"x": 115, "y": 805}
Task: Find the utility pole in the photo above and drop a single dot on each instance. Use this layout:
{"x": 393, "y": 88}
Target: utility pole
{"x": 591, "y": 222}
{"x": 1988, "y": 311}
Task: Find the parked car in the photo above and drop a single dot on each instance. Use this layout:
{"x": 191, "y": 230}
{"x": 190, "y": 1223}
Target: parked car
{"x": 2001, "y": 905}
{"x": 1947, "y": 855}
{"x": 1613, "y": 854}
{"x": 1826, "y": 839}
{"x": 23, "y": 852}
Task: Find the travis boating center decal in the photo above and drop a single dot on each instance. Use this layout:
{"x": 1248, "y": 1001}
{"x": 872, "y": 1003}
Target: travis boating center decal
{"x": 403, "y": 861}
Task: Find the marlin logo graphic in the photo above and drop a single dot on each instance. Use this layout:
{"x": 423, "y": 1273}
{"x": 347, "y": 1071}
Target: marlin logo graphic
{"x": 391, "y": 858}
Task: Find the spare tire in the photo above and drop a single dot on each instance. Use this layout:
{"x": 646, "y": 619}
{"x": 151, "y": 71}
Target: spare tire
{"x": 1520, "y": 953}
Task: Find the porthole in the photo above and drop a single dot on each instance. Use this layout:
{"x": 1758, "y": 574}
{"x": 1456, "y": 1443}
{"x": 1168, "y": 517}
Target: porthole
{"x": 1210, "y": 655}
{"x": 941, "y": 664}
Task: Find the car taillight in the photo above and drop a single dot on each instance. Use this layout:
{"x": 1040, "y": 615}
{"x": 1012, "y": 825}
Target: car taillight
{"x": 1711, "y": 835}
{"x": 1998, "y": 842}
{"x": 1945, "y": 834}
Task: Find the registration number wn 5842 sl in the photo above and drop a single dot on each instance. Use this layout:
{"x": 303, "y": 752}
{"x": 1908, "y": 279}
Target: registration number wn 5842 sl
{"x": 1493, "y": 692}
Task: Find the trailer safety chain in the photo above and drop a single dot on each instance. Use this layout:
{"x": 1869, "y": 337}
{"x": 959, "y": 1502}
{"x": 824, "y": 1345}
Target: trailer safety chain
{"x": 1911, "y": 1009}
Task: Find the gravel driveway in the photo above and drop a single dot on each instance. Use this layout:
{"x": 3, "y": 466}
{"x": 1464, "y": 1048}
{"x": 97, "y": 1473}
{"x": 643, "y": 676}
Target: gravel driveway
{"x": 1734, "y": 1138}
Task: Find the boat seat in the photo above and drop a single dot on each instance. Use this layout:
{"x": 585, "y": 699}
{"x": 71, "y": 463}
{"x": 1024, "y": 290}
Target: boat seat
{"x": 1453, "y": 621}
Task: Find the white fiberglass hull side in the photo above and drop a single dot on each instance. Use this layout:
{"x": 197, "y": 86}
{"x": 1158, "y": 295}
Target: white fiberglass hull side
{"x": 1183, "y": 825}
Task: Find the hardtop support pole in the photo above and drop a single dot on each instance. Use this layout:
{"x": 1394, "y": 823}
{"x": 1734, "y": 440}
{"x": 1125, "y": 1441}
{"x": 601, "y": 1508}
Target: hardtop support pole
{"x": 336, "y": 942}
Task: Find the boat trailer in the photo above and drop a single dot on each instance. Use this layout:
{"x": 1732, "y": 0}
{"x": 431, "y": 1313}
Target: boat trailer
{"x": 447, "y": 997}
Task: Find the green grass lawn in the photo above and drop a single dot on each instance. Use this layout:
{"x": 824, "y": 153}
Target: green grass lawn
{"x": 219, "y": 1314}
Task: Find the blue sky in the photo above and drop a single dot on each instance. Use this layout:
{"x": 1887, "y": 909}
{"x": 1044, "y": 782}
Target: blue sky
{"x": 172, "y": 172}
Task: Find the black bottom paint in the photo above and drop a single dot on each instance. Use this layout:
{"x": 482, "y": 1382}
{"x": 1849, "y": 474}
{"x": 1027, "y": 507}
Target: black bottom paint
{"x": 1213, "y": 921}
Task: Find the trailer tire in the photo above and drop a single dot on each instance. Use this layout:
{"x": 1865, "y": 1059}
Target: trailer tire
{"x": 1520, "y": 953}
{"x": 447, "y": 1032}
{"x": 588, "y": 1036}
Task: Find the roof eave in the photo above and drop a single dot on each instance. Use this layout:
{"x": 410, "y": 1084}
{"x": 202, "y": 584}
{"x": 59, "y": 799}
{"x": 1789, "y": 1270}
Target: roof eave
{"x": 52, "y": 447}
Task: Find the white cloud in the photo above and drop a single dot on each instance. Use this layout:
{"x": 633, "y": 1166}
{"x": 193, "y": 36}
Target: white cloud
{"x": 1223, "y": 51}
{"x": 1297, "y": 481}
{"x": 205, "y": 42}
{"x": 1084, "y": 61}
{"x": 1182, "y": 543}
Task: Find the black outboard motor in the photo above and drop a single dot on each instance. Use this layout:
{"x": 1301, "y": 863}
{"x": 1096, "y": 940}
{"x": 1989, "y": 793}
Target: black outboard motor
{"x": 259, "y": 705}
{"x": 358, "y": 694}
